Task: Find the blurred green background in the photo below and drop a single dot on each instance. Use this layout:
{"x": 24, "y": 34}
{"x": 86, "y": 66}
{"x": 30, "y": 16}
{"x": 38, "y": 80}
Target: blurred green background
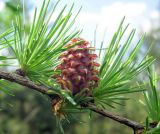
{"x": 28, "y": 112}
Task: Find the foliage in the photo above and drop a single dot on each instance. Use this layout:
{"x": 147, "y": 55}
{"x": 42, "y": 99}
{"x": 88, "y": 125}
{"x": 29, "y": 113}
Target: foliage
{"x": 152, "y": 103}
{"x": 118, "y": 68}
{"x": 4, "y": 86}
{"x": 38, "y": 50}
{"x": 152, "y": 98}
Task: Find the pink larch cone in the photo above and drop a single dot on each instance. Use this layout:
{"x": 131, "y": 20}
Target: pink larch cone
{"x": 78, "y": 67}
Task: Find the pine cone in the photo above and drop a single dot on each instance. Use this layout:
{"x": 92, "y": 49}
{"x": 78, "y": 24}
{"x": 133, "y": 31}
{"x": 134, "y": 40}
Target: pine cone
{"x": 78, "y": 67}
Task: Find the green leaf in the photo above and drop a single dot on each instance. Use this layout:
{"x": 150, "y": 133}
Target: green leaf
{"x": 151, "y": 97}
{"x": 65, "y": 94}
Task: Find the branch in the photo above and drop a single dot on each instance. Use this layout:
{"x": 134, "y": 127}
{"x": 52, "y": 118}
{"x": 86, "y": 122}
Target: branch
{"x": 132, "y": 124}
{"x": 138, "y": 128}
{"x": 22, "y": 81}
